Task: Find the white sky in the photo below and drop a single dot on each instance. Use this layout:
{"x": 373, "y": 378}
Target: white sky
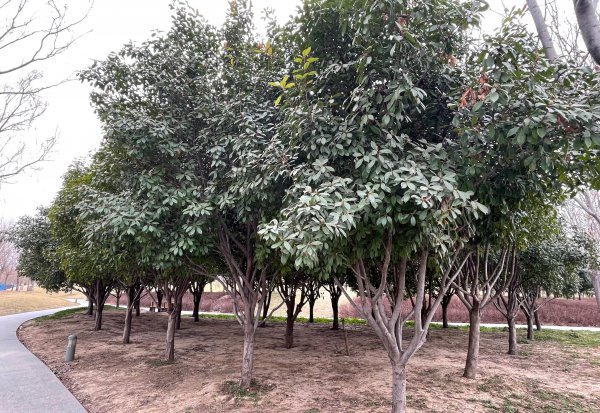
{"x": 110, "y": 24}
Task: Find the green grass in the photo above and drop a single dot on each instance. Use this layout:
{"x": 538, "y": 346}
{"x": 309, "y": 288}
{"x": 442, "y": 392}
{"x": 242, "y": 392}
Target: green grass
{"x": 60, "y": 314}
{"x": 573, "y": 338}
{"x": 317, "y": 320}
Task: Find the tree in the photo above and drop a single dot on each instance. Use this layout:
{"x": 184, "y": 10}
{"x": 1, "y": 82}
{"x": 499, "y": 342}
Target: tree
{"x": 82, "y": 263}
{"x": 37, "y": 252}
{"x": 27, "y": 37}
{"x": 288, "y": 286}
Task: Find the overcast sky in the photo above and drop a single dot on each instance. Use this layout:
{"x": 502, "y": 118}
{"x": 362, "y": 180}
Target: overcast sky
{"x": 110, "y": 24}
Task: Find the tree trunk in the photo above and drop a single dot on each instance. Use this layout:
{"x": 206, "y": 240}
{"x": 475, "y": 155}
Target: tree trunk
{"x": 311, "y": 310}
{"x": 335, "y": 308}
{"x": 170, "y": 351}
{"x": 127, "y": 328}
{"x": 196, "y": 313}
{"x": 512, "y": 336}
{"x": 137, "y": 304}
{"x": 588, "y": 26}
{"x": 99, "y": 305}
{"x": 536, "y": 317}
{"x": 159, "y": 298}
{"x": 542, "y": 30}
{"x": 529, "y": 326}
{"x": 248, "y": 357}
{"x": 118, "y": 297}
{"x": 398, "y": 388}
{"x": 473, "y": 350}
{"x": 445, "y": 314}
{"x": 90, "y": 307}
{"x": 289, "y": 325}
{"x": 595, "y": 276}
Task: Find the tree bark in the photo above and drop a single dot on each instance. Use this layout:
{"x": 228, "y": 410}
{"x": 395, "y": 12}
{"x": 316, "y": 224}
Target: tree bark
{"x": 398, "y": 388}
{"x": 90, "y": 307}
{"x": 542, "y": 30}
{"x": 335, "y": 308}
{"x": 311, "y": 310}
{"x": 171, "y": 324}
{"x": 99, "y": 305}
{"x": 248, "y": 357}
{"x": 445, "y": 314}
{"x": 512, "y": 336}
{"x": 588, "y": 26}
{"x": 529, "y": 326}
{"x": 159, "y": 298}
{"x": 473, "y": 349}
{"x": 196, "y": 313}
{"x": 289, "y": 325}
{"x": 536, "y": 317}
{"x": 595, "y": 276}
{"x": 137, "y": 304}
{"x": 127, "y": 328}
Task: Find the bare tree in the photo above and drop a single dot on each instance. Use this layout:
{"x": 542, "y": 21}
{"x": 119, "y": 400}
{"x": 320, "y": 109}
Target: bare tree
{"x": 29, "y": 34}
{"x": 583, "y": 212}
{"x": 585, "y": 10}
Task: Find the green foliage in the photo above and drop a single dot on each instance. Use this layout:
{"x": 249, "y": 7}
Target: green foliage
{"x": 38, "y": 257}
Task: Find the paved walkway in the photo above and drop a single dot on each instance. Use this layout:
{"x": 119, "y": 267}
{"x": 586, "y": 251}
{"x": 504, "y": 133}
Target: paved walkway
{"x": 26, "y": 384}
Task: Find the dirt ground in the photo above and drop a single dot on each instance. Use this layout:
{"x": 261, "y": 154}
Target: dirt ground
{"x": 315, "y": 376}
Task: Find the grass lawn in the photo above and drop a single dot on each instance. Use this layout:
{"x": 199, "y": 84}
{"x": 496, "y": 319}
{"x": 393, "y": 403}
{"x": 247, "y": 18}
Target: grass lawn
{"x": 13, "y": 302}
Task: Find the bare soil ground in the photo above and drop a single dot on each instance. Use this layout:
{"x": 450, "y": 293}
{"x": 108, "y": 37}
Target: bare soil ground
{"x": 313, "y": 377}
{"x": 13, "y": 302}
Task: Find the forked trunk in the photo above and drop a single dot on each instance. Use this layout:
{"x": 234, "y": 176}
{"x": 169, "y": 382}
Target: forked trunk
{"x": 248, "y": 357}
{"x": 335, "y": 308}
{"x": 473, "y": 349}
{"x": 170, "y": 351}
{"x": 398, "y": 388}
{"x": 512, "y": 336}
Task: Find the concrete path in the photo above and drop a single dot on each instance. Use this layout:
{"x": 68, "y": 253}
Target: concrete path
{"x": 26, "y": 384}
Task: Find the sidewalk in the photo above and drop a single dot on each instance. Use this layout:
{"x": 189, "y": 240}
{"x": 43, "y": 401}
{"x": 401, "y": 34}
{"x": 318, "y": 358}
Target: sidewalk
{"x": 28, "y": 385}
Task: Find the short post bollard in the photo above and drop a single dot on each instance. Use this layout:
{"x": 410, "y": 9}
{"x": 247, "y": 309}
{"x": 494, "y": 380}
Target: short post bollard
{"x": 72, "y": 343}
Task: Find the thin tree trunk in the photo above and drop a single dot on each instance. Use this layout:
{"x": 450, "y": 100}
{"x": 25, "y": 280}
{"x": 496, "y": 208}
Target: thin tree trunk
{"x": 595, "y": 276}
{"x": 128, "y": 317}
{"x": 536, "y": 317}
{"x": 248, "y": 357}
{"x": 159, "y": 298}
{"x": 398, "y": 388}
{"x": 118, "y": 297}
{"x": 473, "y": 349}
{"x": 171, "y": 324}
{"x": 137, "y": 304}
{"x": 529, "y": 326}
{"x": 335, "y": 308}
{"x": 311, "y": 310}
{"x": 445, "y": 314}
{"x": 99, "y": 305}
{"x": 512, "y": 336}
{"x": 90, "y": 307}
{"x": 196, "y": 313}
{"x": 289, "y": 325}
{"x": 178, "y": 309}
